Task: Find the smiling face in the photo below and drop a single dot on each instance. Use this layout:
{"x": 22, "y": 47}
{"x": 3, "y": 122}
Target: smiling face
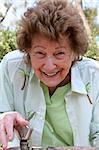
{"x": 51, "y": 60}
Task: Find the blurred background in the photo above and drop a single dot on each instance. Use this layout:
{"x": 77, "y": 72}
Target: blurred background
{"x": 12, "y": 10}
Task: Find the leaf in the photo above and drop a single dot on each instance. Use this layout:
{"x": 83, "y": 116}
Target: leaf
{"x": 88, "y": 87}
{"x": 30, "y": 115}
{"x": 24, "y": 72}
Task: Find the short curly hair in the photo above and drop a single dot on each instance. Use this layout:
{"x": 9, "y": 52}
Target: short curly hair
{"x": 52, "y": 18}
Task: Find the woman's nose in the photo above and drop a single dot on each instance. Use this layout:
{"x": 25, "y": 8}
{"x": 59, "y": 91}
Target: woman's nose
{"x": 49, "y": 64}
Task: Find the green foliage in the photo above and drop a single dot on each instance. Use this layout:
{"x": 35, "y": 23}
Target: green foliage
{"x": 92, "y": 51}
{"x": 90, "y": 14}
{"x": 97, "y": 28}
{"x": 92, "y": 48}
{"x": 7, "y": 42}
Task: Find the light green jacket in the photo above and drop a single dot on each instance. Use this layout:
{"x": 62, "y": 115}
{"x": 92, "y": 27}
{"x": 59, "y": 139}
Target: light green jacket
{"x": 83, "y": 116}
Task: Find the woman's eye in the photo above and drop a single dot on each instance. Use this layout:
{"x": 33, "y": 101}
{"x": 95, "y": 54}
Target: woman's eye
{"x": 60, "y": 55}
{"x": 40, "y": 55}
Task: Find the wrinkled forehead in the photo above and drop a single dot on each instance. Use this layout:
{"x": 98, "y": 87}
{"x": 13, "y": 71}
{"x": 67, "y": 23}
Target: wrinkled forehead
{"x": 43, "y": 42}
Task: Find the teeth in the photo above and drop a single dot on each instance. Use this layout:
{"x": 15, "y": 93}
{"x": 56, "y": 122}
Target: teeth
{"x": 50, "y": 74}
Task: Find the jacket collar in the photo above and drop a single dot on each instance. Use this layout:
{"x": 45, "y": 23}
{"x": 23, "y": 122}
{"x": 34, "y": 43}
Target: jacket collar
{"x": 31, "y": 74}
{"x": 77, "y": 85}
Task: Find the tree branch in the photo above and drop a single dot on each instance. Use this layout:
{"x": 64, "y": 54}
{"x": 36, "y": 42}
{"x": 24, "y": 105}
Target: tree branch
{"x": 78, "y": 4}
{"x": 3, "y": 17}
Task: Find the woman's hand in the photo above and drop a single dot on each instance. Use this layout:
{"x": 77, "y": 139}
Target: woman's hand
{"x": 9, "y": 121}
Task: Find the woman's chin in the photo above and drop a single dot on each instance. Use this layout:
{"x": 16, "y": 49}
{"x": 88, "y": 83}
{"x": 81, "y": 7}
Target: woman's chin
{"x": 51, "y": 84}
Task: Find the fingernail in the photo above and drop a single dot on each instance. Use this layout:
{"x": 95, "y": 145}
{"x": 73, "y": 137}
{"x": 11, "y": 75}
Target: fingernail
{"x": 10, "y": 137}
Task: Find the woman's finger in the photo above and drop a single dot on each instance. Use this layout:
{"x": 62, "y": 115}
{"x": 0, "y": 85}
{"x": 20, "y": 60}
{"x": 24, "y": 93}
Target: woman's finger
{"x": 3, "y": 137}
{"x": 21, "y": 121}
{"x": 9, "y": 128}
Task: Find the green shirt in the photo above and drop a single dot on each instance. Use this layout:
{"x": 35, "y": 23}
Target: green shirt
{"x": 57, "y": 130}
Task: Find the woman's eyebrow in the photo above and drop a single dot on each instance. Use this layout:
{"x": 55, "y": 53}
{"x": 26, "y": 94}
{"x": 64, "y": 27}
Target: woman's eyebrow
{"x": 39, "y": 46}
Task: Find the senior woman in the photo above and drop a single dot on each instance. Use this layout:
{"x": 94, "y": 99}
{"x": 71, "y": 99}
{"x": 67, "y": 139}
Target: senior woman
{"x": 49, "y": 78}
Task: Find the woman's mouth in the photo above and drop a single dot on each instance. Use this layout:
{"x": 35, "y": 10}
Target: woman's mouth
{"x": 50, "y": 74}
